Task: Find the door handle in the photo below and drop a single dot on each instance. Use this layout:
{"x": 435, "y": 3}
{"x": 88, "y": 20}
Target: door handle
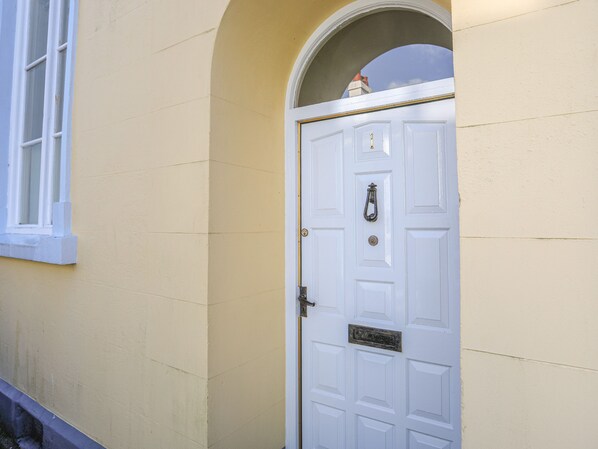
{"x": 371, "y": 198}
{"x": 304, "y": 302}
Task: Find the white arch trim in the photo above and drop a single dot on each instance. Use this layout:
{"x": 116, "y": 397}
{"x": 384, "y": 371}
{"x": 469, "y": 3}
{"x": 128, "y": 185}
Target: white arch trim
{"x": 341, "y": 18}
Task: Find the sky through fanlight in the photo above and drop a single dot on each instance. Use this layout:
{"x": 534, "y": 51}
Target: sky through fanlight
{"x": 411, "y": 64}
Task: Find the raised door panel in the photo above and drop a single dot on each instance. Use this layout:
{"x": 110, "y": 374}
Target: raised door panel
{"x": 378, "y": 255}
{"x": 428, "y": 396}
{"x": 375, "y": 302}
{"x": 427, "y": 278}
{"x": 373, "y": 434}
{"x": 328, "y": 370}
{"x": 326, "y": 174}
{"x": 372, "y": 141}
{"x": 422, "y": 441}
{"x": 328, "y": 265}
{"x": 374, "y": 380}
{"x": 328, "y": 427}
{"x": 425, "y": 167}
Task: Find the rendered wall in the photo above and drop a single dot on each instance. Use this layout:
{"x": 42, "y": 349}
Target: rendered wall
{"x": 527, "y": 102}
{"x": 117, "y": 344}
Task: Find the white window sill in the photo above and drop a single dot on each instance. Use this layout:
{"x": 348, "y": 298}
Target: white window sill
{"x": 40, "y": 248}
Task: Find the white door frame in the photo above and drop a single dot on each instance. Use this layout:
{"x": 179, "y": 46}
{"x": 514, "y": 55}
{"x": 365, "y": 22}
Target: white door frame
{"x": 294, "y": 116}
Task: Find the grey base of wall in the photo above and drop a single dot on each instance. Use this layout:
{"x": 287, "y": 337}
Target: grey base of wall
{"x": 34, "y": 427}
{"x": 7, "y": 442}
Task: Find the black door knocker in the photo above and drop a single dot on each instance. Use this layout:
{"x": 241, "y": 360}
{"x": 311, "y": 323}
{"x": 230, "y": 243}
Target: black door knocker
{"x": 371, "y": 199}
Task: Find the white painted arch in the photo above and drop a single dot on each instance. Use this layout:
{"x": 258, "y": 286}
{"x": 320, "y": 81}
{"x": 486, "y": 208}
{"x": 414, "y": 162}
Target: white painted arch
{"x": 294, "y": 115}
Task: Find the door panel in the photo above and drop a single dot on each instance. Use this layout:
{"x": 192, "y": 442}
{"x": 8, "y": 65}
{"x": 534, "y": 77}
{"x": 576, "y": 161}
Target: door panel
{"x": 327, "y": 175}
{"x": 405, "y": 280}
{"x": 381, "y": 254}
{"x": 372, "y": 141}
{"x": 328, "y": 261}
{"x": 328, "y": 427}
{"x": 428, "y": 391}
{"x": 374, "y": 380}
{"x": 420, "y": 441}
{"x": 426, "y": 168}
{"x": 328, "y": 373}
{"x": 372, "y": 433}
{"x": 374, "y": 303}
{"x": 427, "y": 278}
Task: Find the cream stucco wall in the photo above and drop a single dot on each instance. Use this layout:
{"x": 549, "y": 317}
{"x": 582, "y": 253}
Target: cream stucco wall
{"x": 169, "y": 332}
{"x": 527, "y": 96}
{"x": 117, "y": 344}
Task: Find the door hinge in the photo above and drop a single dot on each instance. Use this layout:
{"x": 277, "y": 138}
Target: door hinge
{"x": 304, "y": 302}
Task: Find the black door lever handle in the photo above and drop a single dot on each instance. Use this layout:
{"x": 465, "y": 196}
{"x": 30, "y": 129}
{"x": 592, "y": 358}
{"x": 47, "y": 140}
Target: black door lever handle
{"x": 304, "y": 302}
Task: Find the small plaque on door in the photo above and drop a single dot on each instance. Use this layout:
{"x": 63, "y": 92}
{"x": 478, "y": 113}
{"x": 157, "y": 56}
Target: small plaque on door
{"x": 376, "y": 338}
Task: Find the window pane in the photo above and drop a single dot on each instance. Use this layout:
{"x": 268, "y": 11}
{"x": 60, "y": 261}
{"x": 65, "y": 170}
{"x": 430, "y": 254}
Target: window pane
{"x": 30, "y": 177}
{"x": 59, "y": 98}
{"x": 56, "y": 171}
{"x": 64, "y": 21}
{"x": 403, "y": 66}
{"x": 34, "y": 102}
{"x": 38, "y": 29}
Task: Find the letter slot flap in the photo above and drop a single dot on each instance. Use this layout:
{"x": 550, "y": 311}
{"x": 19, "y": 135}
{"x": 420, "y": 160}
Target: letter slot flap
{"x": 376, "y": 338}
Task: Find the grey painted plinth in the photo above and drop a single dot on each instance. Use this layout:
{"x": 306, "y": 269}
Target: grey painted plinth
{"x": 34, "y": 427}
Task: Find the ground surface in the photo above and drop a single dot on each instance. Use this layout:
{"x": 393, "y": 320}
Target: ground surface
{"x": 7, "y": 442}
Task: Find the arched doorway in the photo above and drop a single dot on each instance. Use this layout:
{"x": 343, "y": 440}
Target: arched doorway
{"x": 253, "y": 231}
{"x": 373, "y": 357}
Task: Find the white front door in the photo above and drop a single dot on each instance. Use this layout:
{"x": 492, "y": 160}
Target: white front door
{"x": 398, "y": 273}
